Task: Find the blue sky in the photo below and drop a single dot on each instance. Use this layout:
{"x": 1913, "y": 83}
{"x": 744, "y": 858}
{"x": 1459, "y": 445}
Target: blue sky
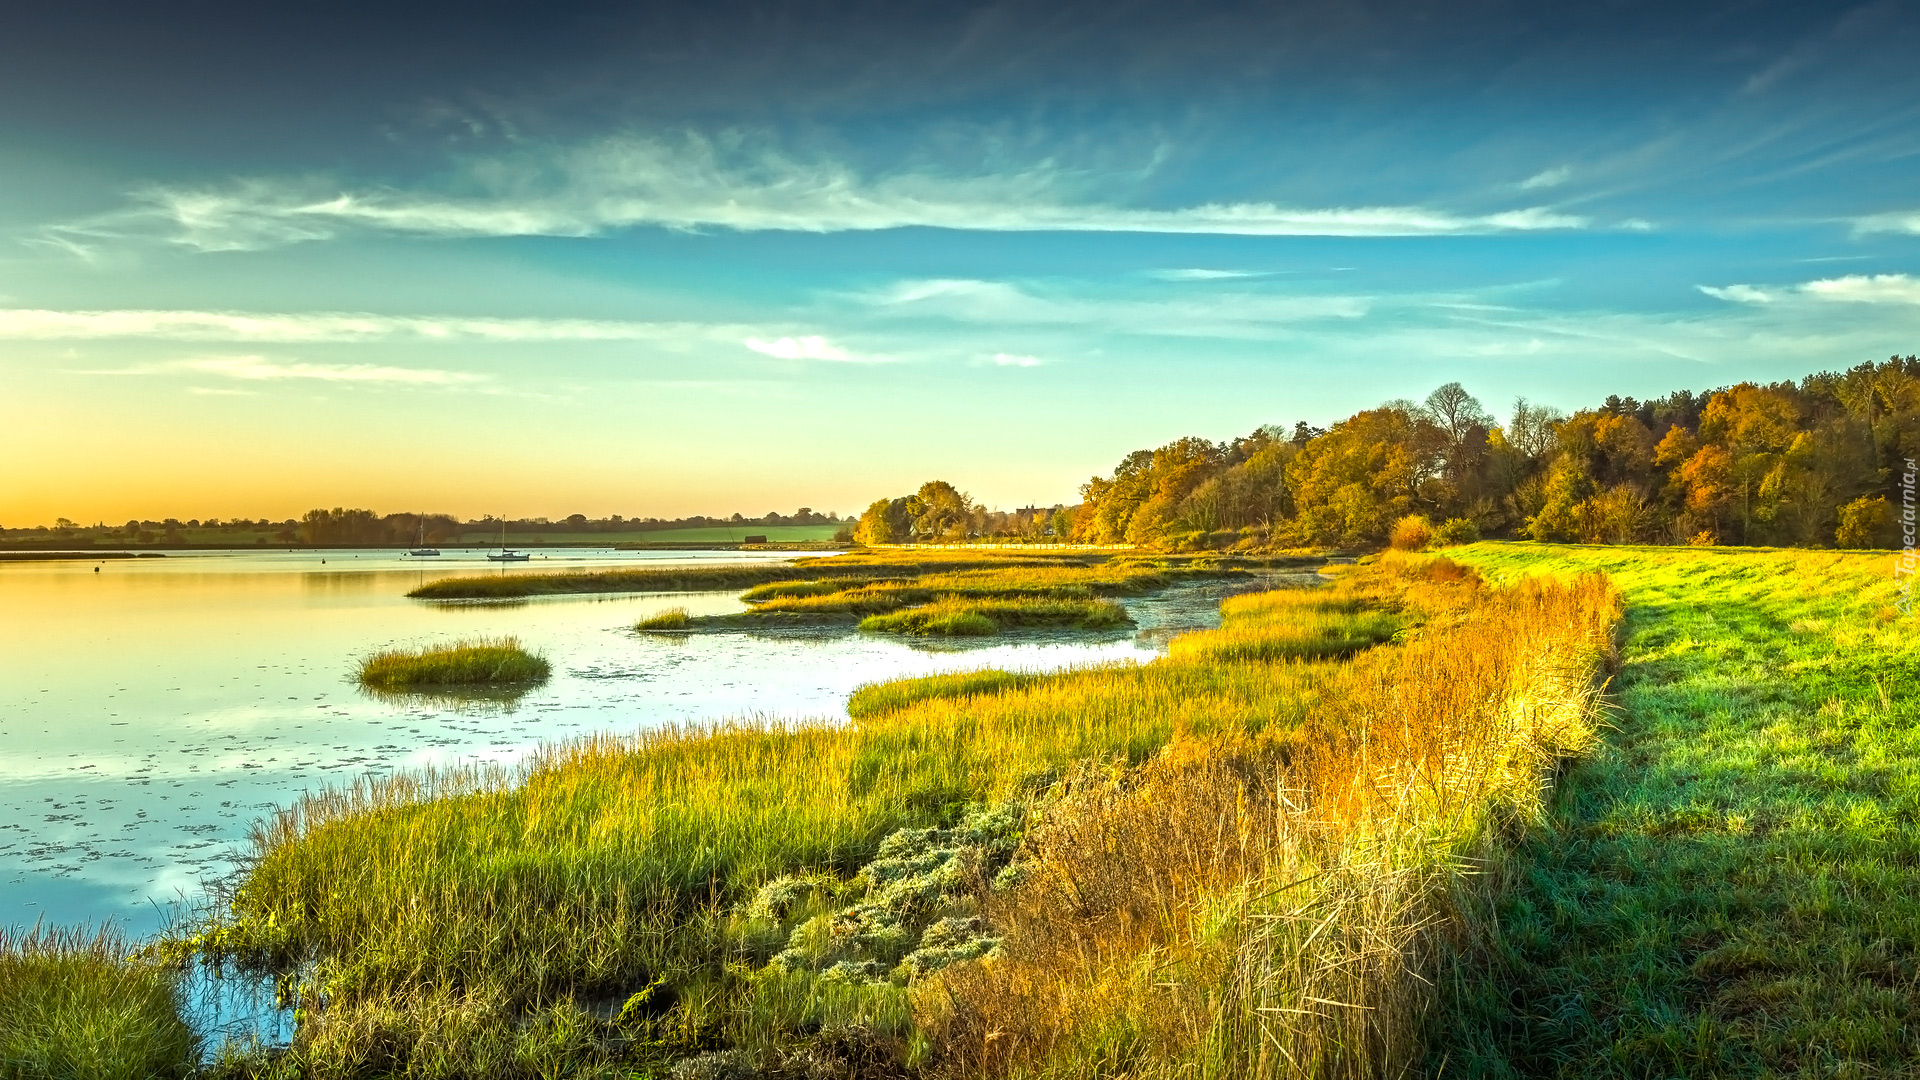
{"x": 664, "y": 260}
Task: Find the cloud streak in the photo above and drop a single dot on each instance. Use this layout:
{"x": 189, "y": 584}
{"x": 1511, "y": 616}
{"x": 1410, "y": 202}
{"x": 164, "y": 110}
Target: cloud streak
{"x": 1547, "y": 178}
{"x": 261, "y": 369}
{"x": 1202, "y": 274}
{"x": 40, "y": 324}
{"x": 264, "y": 369}
{"x": 1851, "y": 289}
{"x": 1227, "y": 315}
{"x": 695, "y": 183}
{"x": 1904, "y": 221}
{"x": 809, "y": 347}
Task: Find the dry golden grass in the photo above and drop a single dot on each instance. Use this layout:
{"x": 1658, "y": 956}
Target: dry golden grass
{"x": 1260, "y": 908}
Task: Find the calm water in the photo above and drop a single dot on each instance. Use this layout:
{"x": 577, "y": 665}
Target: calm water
{"x": 150, "y": 712}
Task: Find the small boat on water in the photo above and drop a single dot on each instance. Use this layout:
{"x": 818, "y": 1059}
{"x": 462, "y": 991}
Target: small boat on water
{"x": 506, "y": 554}
{"x": 420, "y": 548}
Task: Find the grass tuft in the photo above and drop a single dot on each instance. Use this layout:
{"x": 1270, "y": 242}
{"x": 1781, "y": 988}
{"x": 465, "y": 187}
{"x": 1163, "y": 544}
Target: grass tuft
{"x": 72, "y": 1006}
{"x": 476, "y": 662}
{"x": 673, "y": 618}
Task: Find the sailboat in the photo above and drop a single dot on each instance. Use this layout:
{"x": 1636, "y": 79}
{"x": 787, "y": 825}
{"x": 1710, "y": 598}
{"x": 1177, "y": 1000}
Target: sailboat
{"x": 506, "y": 553}
{"x": 420, "y": 547}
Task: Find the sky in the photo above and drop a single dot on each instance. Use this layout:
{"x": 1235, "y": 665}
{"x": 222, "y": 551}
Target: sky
{"x": 660, "y": 260}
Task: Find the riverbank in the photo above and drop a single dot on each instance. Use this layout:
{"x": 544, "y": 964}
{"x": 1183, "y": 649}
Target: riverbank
{"x": 792, "y": 898}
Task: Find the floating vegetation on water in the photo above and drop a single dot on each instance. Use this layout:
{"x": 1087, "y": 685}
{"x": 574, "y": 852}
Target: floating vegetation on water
{"x": 470, "y": 663}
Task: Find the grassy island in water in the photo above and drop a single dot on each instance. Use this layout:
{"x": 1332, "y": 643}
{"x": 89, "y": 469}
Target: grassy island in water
{"x": 481, "y": 662}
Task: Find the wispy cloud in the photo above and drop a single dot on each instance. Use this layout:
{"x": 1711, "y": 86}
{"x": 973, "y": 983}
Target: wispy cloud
{"x": 1221, "y": 314}
{"x": 809, "y": 347}
{"x": 1014, "y": 360}
{"x": 260, "y": 369}
{"x": 695, "y": 183}
{"x": 269, "y": 369}
{"x": 1547, "y": 178}
{"x": 1902, "y": 221}
{"x": 308, "y": 327}
{"x": 1741, "y": 294}
{"x": 1200, "y": 274}
{"x": 266, "y": 369}
{"x": 1851, "y": 289}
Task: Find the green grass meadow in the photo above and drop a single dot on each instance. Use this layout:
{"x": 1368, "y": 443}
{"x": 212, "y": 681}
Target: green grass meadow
{"x": 1731, "y": 886}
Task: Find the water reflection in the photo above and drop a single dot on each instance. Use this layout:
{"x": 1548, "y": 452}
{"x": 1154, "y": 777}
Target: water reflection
{"x": 461, "y": 701}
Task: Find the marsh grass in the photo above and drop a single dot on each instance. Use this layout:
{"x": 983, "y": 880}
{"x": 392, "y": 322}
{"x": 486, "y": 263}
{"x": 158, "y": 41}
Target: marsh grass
{"x": 1269, "y": 907}
{"x": 1288, "y": 625}
{"x": 982, "y": 571}
{"x": 782, "y": 590}
{"x": 610, "y": 905}
{"x": 673, "y": 618}
{"x": 73, "y": 1006}
{"x": 933, "y": 620}
{"x": 854, "y": 565}
{"x": 873, "y": 699}
{"x": 960, "y": 615}
{"x": 1004, "y": 594}
{"x": 477, "y": 662}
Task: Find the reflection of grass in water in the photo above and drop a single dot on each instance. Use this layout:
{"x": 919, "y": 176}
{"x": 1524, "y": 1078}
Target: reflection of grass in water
{"x": 466, "y": 700}
{"x": 674, "y": 618}
{"x": 475, "y": 662}
{"x": 72, "y": 1004}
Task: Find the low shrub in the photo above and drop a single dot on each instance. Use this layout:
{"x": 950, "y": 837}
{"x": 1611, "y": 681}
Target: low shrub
{"x": 1457, "y": 531}
{"x": 1411, "y": 533}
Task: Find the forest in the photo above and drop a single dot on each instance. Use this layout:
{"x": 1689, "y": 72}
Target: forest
{"x": 1817, "y": 463}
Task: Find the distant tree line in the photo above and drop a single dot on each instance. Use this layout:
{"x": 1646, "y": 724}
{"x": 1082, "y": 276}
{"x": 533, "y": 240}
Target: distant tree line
{"x": 343, "y": 527}
{"x": 1813, "y": 463}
